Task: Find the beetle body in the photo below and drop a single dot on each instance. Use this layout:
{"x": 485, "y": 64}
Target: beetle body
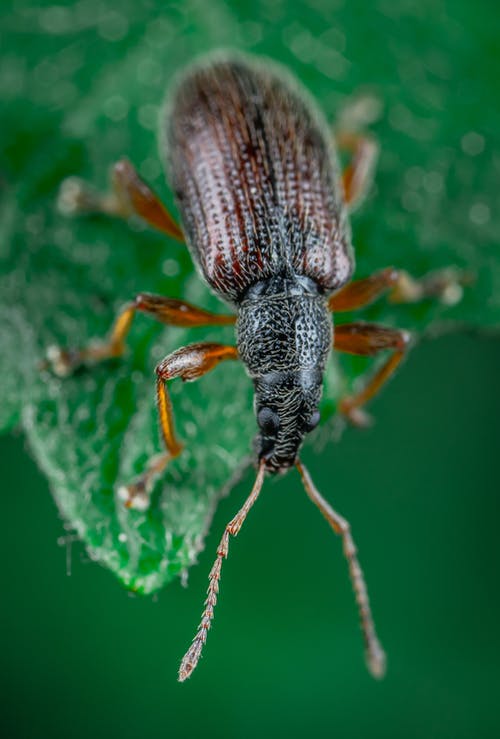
{"x": 257, "y": 184}
{"x": 264, "y": 214}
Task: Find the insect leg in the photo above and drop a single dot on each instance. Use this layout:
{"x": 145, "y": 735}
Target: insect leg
{"x": 188, "y": 363}
{"x": 358, "y": 175}
{"x": 375, "y": 657}
{"x": 190, "y": 659}
{"x": 166, "y": 310}
{"x": 359, "y": 293}
{"x": 367, "y": 339}
{"x": 444, "y": 284}
{"x": 129, "y": 195}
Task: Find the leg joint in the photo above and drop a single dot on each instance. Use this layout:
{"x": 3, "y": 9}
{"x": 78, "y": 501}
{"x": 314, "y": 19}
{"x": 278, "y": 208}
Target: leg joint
{"x": 404, "y": 340}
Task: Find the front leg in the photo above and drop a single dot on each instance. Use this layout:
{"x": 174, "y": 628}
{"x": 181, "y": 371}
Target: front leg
{"x": 166, "y": 310}
{"x": 188, "y": 363}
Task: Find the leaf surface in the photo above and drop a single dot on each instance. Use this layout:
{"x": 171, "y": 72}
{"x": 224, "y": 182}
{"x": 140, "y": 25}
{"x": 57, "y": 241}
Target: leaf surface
{"x": 89, "y": 90}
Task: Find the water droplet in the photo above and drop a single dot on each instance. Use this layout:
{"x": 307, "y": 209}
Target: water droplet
{"x": 190, "y": 429}
{"x": 472, "y": 143}
{"x": 115, "y": 107}
{"x": 170, "y": 267}
{"x": 56, "y": 19}
{"x": 12, "y": 75}
{"x": 411, "y": 201}
{"x": 414, "y": 177}
{"x": 149, "y": 72}
{"x": 148, "y": 116}
{"x": 251, "y": 32}
{"x": 433, "y": 182}
{"x": 479, "y": 213}
{"x": 113, "y": 26}
{"x": 150, "y": 168}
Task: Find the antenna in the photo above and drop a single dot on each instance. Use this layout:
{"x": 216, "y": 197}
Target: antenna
{"x": 190, "y": 659}
{"x": 375, "y": 656}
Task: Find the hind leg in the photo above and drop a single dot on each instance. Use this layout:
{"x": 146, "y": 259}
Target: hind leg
{"x": 358, "y": 175}
{"x": 128, "y": 195}
{"x": 368, "y": 339}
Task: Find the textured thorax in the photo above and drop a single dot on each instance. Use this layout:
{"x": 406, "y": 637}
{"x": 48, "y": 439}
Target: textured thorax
{"x": 284, "y": 339}
{"x": 285, "y": 331}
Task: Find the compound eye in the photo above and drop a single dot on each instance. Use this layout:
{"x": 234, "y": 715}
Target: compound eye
{"x": 269, "y": 421}
{"x": 313, "y": 421}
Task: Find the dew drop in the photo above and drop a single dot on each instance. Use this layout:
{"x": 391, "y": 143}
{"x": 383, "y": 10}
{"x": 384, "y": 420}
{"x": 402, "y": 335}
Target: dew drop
{"x": 148, "y": 116}
{"x": 113, "y": 26}
{"x": 411, "y": 201}
{"x": 150, "y": 168}
{"x": 149, "y": 72}
{"x": 55, "y": 19}
{"x": 115, "y": 107}
{"x": 433, "y": 182}
{"x": 170, "y": 268}
{"x": 479, "y": 214}
{"x": 472, "y": 143}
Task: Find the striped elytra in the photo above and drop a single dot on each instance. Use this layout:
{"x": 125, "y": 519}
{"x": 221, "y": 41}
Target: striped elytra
{"x": 256, "y": 178}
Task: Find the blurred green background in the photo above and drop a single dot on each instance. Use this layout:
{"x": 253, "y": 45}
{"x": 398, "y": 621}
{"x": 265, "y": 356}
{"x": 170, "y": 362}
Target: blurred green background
{"x": 81, "y": 656}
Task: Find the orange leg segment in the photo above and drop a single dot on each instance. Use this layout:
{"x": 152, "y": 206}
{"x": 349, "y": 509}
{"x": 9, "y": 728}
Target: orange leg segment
{"x": 188, "y": 363}
{"x": 361, "y": 293}
{"x": 129, "y": 195}
{"x": 166, "y": 310}
{"x": 358, "y": 175}
{"x": 367, "y": 339}
{"x": 443, "y": 284}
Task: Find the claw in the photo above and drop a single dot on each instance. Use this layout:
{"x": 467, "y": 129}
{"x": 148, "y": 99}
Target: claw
{"x": 60, "y": 361}
{"x": 357, "y": 417}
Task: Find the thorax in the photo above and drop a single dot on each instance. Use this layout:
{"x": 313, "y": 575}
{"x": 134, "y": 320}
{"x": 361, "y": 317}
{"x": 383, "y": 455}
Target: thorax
{"x": 284, "y": 326}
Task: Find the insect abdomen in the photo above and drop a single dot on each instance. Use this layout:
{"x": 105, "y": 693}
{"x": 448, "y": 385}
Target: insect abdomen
{"x": 256, "y": 179}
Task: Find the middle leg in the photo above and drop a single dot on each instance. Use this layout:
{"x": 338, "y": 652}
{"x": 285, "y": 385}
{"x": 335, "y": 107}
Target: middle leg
{"x": 367, "y": 339}
{"x": 166, "y": 310}
{"x": 443, "y": 284}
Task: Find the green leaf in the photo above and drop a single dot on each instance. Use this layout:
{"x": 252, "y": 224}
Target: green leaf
{"x": 87, "y": 91}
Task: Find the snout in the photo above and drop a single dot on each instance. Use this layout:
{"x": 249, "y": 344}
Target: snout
{"x": 274, "y": 461}
{"x": 276, "y": 465}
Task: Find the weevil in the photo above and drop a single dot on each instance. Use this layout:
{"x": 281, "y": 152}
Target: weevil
{"x": 264, "y": 210}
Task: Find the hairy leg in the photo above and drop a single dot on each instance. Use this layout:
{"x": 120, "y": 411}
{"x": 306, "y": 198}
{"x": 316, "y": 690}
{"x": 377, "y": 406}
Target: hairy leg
{"x": 129, "y": 195}
{"x": 368, "y": 339}
{"x": 166, "y": 310}
{"x": 188, "y": 363}
{"x": 444, "y": 285}
{"x": 358, "y": 175}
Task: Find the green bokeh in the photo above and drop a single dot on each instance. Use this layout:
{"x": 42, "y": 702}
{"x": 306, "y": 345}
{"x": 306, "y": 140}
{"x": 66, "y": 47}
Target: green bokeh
{"x": 82, "y": 658}
{"x": 83, "y": 85}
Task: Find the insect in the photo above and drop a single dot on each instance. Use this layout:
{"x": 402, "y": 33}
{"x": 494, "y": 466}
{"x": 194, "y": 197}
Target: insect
{"x": 264, "y": 211}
